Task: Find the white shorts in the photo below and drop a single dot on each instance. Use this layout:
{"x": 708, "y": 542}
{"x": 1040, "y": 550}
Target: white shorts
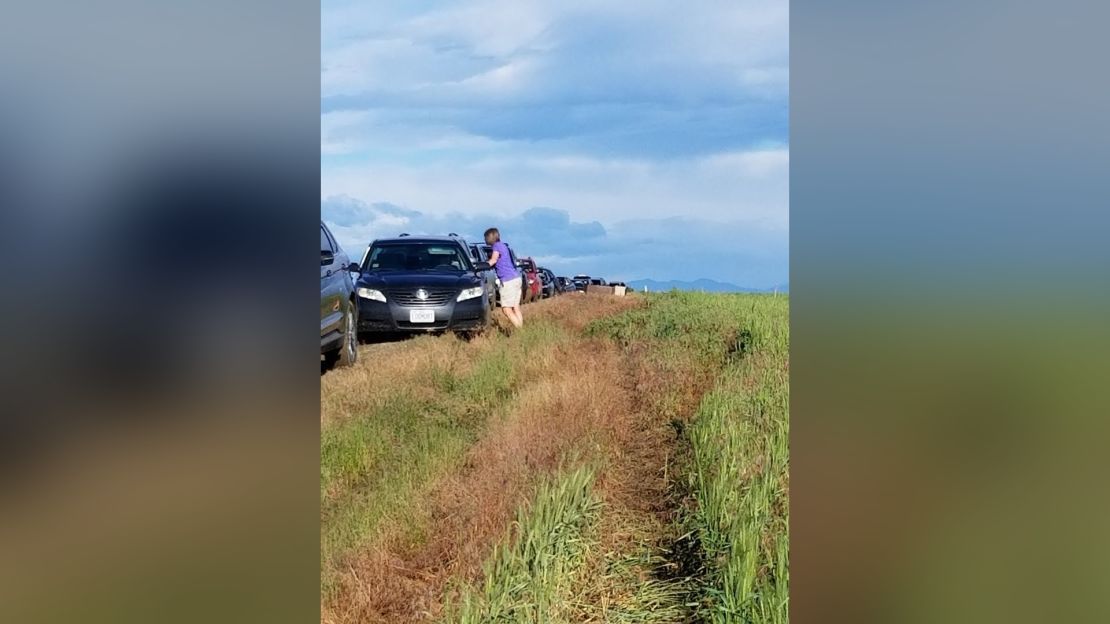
{"x": 510, "y": 293}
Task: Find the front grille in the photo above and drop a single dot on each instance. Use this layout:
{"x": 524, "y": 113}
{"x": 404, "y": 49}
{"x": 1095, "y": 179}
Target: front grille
{"x": 407, "y": 297}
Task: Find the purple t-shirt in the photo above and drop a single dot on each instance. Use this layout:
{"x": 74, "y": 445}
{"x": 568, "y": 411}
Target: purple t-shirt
{"x": 504, "y": 267}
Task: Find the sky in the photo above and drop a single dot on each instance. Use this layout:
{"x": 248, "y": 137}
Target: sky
{"x": 620, "y": 139}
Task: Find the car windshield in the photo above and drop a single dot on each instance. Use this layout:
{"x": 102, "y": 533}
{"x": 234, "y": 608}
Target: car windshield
{"x": 416, "y": 257}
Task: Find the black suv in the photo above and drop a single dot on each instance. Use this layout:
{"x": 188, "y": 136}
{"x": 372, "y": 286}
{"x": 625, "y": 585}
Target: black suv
{"x": 338, "y": 309}
{"x": 581, "y": 281}
{"x": 422, "y": 283}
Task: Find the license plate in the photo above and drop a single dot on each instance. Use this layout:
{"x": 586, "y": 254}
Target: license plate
{"x": 422, "y": 316}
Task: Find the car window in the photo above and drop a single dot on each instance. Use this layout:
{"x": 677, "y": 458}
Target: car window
{"x": 417, "y": 257}
{"x": 325, "y": 242}
{"x": 489, "y": 252}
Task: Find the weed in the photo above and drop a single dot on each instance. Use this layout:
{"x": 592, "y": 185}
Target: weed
{"x": 526, "y": 580}
{"x": 738, "y": 463}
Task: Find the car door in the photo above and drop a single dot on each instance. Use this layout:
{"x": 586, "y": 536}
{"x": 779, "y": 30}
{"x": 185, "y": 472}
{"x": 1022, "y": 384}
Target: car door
{"x": 332, "y": 274}
{"x": 489, "y": 275}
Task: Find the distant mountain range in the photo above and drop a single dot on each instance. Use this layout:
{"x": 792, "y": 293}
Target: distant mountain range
{"x": 707, "y": 285}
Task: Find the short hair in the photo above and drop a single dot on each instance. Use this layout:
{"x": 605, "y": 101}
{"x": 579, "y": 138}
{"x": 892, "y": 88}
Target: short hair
{"x": 493, "y": 231}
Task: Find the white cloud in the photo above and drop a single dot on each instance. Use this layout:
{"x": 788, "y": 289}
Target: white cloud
{"x": 569, "y": 48}
{"x": 610, "y": 110}
{"x": 750, "y": 185}
{"x": 339, "y": 132}
{"x": 743, "y": 251}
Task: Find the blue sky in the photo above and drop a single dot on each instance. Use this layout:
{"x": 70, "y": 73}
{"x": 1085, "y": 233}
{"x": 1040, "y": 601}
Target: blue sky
{"x": 623, "y": 139}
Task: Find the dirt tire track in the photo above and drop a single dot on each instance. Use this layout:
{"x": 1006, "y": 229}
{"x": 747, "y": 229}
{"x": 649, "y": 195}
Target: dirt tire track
{"x": 573, "y": 404}
{"x": 642, "y": 496}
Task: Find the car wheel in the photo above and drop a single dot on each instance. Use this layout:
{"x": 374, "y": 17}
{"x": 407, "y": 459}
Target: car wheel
{"x": 348, "y": 353}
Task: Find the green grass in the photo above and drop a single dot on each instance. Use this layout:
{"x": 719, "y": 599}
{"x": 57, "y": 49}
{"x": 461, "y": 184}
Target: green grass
{"x": 529, "y": 577}
{"x": 738, "y": 465}
{"x": 374, "y": 465}
{"x": 739, "y": 441}
{"x": 733, "y": 463}
{"x": 687, "y": 323}
{"x": 370, "y": 465}
{"x": 739, "y": 476}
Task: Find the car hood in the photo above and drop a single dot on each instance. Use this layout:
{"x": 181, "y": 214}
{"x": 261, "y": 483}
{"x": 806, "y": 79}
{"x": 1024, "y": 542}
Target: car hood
{"x": 417, "y": 279}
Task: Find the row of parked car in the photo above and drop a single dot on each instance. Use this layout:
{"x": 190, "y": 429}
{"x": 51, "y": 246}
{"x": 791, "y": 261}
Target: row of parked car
{"x": 417, "y": 284}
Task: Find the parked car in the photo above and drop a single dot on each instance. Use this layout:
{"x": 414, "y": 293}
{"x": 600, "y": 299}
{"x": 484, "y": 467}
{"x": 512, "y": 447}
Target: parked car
{"x": 338, "y": 306}
{"x": 423, "y": 283}
{"x": 581, "y": 281}
{"x": 547, "y": 283}
{"x": 479, "y": 256}
{"x": 597, "y": 281}
{"x": 532, "y": 285}
{"x": 564, "y": 285}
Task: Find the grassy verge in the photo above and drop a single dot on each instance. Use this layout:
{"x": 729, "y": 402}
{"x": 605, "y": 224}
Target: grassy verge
{"x": 736, "y": 443}
{"x": 675, "y": 409}
{"x": 379, "y": 453}
{"x": 741, "y": 521}
{"x": 740, "y": 476}
{"x": 528, "y": 578}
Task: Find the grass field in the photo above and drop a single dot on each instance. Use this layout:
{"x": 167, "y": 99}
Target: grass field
{"x": 617, "y": 460}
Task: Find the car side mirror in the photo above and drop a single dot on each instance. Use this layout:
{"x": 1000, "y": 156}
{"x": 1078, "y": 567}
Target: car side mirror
{"x": 326, "y": 257}
{"x": 354, "y": 267}
{"x": 482, "y": 266}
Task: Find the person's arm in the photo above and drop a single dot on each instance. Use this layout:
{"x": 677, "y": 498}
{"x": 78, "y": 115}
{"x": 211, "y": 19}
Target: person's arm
{"x": 493, "y": 256}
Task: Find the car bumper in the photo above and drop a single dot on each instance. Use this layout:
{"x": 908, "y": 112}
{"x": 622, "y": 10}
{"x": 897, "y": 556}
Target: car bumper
{"x": 375, "y": 316}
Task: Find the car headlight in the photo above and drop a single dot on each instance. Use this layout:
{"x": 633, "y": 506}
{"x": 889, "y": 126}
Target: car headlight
{"x": 470, "y": 293}
{"x": 371, "y": 294}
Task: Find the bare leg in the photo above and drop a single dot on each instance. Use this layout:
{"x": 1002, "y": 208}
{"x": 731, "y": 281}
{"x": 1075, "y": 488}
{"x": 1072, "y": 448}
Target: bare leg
{"x": 513, "y": 314}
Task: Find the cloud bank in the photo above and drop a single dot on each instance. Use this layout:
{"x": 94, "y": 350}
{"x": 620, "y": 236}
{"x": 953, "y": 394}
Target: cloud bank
{"x": 745, "y": 253}
{"x": 592, "y": 130}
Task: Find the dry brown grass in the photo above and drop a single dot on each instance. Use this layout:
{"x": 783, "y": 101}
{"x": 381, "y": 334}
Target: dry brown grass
{"x": 575, "y": 311}
{"x": 411, "y": 364}
{"x": 576, "y": 404}
{"x": 637, "y": 527}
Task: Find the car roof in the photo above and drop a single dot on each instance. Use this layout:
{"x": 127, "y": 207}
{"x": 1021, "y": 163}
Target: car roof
{"x": 420, "y": 239}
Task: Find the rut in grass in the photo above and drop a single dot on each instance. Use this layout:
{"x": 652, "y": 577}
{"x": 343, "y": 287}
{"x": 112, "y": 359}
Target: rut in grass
{"x": 731, "y": 557}
{"x": 632, "y": 562}
{"x": 669, "y": 532}
{"x": 442, "y": 524}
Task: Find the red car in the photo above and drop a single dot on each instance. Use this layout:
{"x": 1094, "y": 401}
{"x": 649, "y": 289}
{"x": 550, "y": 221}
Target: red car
{"x": 532, "y": 287}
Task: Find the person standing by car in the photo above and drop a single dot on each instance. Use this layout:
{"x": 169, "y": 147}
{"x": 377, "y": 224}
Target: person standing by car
{"x": 507, "y": 274}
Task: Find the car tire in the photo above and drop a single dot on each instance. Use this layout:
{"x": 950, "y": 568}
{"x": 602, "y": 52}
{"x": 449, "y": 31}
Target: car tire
{"x": 348, "y": 353}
